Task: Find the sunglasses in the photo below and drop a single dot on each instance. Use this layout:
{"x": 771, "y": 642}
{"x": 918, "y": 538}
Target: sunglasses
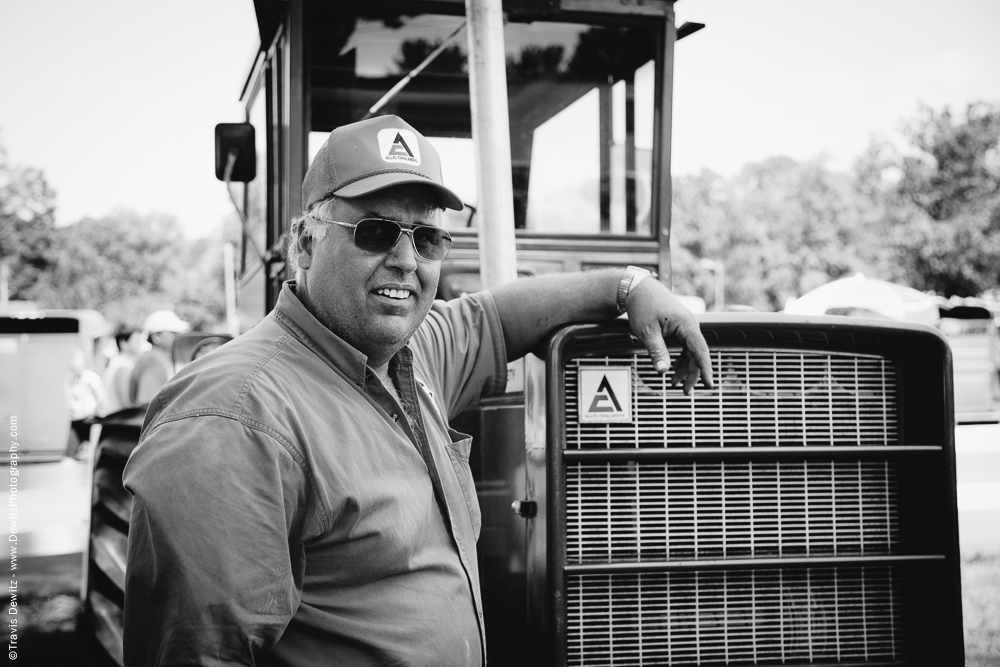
{"x": 377, "y": 235}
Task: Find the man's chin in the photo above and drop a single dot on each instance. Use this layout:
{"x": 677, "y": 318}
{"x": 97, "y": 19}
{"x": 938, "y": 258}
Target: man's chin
{"x": 391, "y": 330}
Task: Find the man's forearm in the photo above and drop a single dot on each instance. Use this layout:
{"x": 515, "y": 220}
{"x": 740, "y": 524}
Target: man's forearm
{"x": 531, "y": 308}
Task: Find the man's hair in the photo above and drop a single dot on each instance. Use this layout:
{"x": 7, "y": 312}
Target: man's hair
{"x": 304, "y": 223}
{"x": 122, "y": 334}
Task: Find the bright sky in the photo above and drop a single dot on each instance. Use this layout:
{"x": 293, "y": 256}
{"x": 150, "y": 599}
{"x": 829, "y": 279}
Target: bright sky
{"x": 117, "y": 100}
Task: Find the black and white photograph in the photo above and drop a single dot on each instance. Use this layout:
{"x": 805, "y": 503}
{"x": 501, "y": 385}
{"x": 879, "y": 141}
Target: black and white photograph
{"x": 519, "y": 333}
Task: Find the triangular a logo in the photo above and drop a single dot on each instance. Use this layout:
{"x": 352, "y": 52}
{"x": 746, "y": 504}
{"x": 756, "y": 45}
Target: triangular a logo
{"x": 604, "y": 394}
{"x": 399, "y": 147}
{"x": 605, "y": 399}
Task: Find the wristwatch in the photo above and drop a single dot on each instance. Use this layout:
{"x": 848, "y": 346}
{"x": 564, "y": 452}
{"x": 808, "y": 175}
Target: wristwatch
{"x": 633, "y": 276}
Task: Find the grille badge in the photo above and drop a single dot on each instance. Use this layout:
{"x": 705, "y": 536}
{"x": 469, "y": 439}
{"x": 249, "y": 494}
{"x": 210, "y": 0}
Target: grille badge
{"x": 605, "y": 394}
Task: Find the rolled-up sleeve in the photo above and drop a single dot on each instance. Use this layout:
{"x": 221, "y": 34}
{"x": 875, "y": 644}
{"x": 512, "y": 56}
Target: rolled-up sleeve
{"x": 462, "y": 340}
{"x": 220, "y": 513}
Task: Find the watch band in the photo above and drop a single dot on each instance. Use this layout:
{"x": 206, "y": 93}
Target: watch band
{"x": 632, "y": 276}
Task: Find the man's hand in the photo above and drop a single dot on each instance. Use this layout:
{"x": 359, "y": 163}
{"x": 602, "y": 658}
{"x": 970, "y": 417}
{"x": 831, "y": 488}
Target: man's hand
{"x": 655, "y": 313}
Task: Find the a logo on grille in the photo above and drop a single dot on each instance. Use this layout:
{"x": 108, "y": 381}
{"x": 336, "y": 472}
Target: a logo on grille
{"x": 605, "y": 394}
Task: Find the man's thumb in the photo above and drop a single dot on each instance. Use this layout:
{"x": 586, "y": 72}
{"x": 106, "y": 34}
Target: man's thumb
{"x": 658, "y": 353}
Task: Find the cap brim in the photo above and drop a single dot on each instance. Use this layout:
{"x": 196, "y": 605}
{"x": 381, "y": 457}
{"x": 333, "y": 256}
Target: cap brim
{"x": 378, "y": 182}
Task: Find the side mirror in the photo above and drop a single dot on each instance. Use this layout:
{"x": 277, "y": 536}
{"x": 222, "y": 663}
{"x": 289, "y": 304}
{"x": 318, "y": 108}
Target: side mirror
{"x": 236, "y": 140}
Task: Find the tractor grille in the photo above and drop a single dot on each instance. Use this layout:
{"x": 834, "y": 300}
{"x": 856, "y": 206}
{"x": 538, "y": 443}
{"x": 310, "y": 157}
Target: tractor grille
{"x": 648, "y": 511}
{"x": 660, "y": 545}
{"x": 771, "y": 398}
{"x": 760, "y": 617}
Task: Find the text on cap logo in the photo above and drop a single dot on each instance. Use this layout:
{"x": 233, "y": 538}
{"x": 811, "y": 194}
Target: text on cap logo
{"x": 399, "y": 145}
{"x": 605, "y": 394}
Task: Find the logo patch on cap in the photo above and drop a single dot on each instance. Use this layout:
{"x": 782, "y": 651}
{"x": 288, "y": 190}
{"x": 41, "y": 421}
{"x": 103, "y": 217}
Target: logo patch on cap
{"x": 399, "y": 146}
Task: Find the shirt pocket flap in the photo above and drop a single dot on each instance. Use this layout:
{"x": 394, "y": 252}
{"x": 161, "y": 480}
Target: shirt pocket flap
{"x": 459, "y": 450}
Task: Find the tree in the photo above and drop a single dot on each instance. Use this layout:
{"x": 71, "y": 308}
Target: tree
{"x": 412, "y": 52}
{"x": 27, "y": 225}
{"x": 939, "y": 200}
{"x": 781, "y": 227}
{"x": 126, "y": 265}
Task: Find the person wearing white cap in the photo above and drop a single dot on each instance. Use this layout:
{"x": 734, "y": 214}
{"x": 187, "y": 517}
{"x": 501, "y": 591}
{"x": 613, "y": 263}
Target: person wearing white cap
{"x": 156, "y": 366}
{"x": 299, "y": 497}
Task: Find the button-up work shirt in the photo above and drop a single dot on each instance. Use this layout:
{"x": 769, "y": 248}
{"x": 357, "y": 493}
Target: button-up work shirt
{"x": 286, "y": 512}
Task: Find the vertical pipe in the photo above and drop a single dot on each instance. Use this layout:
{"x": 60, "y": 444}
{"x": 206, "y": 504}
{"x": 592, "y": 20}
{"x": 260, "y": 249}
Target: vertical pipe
{"x": 229, "y": 279}
{"x": 491, "y": 136}
{"x": 4, "y": 284}
{"x": 606, "y": 138}
{"x": 296, "y": 107}
{"x": 663, "y": 121}
{"x": 720, "y": 286}
{"x": 630, "y": 207}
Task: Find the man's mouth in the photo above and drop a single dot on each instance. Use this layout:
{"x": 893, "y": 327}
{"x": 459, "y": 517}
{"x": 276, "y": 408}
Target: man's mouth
{"x": 399, "y": 294}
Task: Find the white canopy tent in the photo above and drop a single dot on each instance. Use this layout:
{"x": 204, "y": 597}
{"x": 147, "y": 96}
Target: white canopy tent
{"x": 861, "y": 296}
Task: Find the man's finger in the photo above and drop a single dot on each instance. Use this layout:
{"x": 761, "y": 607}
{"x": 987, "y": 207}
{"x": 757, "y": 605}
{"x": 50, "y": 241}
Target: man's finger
{"x": 703, "y": 360}
{"x": 696, "y": 349}
{"x": 686, "y": 372}
{"x": 693, "y": 373}
{"x": 657, "y": 350}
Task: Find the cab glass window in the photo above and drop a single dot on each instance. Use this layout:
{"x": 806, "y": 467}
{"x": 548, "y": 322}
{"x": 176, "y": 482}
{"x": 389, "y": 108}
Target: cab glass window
{"x": 580, "y": 104}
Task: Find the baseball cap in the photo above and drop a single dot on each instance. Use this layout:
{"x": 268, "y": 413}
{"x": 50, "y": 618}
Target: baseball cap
{"x": 165, "y": 320}
{"x": 371, "y": 155}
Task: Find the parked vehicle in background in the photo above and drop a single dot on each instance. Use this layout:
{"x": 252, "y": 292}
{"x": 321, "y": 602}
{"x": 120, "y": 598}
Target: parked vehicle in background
{"x": 969, "y": 324}
{"x": 971, "y": 328}
{"x": 35, "y": 350}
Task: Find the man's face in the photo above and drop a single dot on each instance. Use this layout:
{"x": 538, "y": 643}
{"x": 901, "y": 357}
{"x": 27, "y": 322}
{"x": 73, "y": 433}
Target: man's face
{"x": 163, "y": 339}
{"x": 374, "y": 301}
{"x": 135, "y": 345}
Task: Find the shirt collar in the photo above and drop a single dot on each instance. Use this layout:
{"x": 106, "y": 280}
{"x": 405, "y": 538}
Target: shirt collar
{"x": 296, "y": 318}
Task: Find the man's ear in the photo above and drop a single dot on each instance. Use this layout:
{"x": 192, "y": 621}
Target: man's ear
{"x": 305, "y": 242}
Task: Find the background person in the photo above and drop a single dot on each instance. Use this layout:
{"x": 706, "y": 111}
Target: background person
{"x": 156, "y": 366}
{"x": 86, "y": 398}
{"x": 299, "y": 497}
{"x": 130, "y": 345}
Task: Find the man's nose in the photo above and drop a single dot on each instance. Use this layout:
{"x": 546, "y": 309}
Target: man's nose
{"x": 403, "y": 255}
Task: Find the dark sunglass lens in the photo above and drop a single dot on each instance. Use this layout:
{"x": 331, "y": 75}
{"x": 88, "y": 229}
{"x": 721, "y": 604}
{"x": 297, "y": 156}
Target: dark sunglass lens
{"x": 431, "y": 243}
{"x": 376, "y": 235}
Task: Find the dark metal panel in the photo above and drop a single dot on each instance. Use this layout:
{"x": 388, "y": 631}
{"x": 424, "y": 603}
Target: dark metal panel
{"x": 269, "y": 16}
{"x": 539, "y": 601}
{"x": 497, "y": 463}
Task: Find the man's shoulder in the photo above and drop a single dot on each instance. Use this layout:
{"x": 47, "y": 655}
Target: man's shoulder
{"x": 450, "y": 322}
{"x": 234, "y": 375}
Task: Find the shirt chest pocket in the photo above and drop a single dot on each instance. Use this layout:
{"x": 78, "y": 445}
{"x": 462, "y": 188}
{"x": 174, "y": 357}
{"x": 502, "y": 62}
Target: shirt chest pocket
{"x": 458, "y": 453}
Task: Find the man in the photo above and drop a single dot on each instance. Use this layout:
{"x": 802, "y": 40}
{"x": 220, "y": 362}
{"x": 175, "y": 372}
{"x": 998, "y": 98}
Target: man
{"x": 156, "y": 366}
{"x": 299, "y": 497}
{"x": 129, "y": 343}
